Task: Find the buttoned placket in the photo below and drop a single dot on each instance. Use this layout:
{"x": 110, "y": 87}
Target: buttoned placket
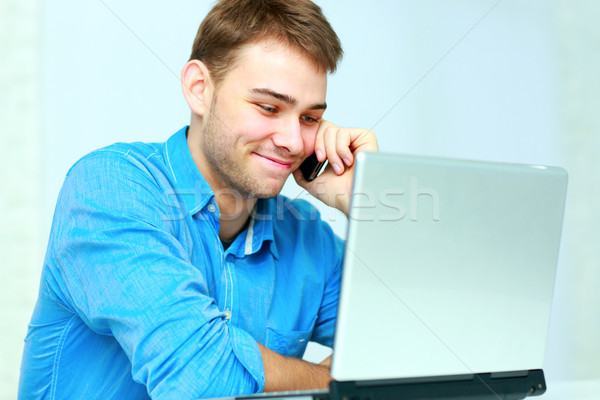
{"x": 229, "y": 289}
{"x": 229, "y": 266}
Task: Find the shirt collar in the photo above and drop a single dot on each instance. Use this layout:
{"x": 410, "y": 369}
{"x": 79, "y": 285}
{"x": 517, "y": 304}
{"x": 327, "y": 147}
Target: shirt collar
{"x": 258, "y": 233}
{"x": 190, "y": 185}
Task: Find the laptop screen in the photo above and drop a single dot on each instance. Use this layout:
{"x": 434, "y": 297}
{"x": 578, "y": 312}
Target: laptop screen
{"x": 449, "y": 267}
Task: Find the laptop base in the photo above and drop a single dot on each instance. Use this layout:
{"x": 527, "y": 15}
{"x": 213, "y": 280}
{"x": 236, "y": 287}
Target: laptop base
{"x": 487, "y": 386}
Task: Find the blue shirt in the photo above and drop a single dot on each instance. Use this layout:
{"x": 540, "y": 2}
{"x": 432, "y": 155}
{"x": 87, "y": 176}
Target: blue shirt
{"x": 139, "y": 299}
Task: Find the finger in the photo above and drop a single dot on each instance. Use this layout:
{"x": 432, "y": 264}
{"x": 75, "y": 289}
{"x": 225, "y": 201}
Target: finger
{"x": 343, "y": 147}
{"x": 320, "y": 142}
{"x": 330, "y": 138}
{"x": 362, "y": 139}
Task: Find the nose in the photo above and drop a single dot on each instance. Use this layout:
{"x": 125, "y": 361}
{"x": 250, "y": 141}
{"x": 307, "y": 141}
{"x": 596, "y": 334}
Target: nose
{"x": 289, "y": 136}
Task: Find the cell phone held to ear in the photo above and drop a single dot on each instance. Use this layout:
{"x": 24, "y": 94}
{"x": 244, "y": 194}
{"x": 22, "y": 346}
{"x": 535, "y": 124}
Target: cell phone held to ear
{"x": 311, "y": 167}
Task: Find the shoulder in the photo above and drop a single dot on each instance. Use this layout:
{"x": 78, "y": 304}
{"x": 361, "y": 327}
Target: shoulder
{"x": 138, "y": 154}
{"x": 122, "y": 166}
{"x": 124, "y": 176}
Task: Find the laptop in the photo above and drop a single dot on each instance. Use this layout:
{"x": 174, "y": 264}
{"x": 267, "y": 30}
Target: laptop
{"x": 448, "y": 280}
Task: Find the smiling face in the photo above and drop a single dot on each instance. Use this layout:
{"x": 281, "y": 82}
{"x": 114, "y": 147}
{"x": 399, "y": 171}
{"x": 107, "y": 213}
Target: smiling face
{"x": 261, "y": 121}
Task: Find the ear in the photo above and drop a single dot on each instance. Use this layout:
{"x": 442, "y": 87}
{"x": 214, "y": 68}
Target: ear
{"x": 197, "y": 86}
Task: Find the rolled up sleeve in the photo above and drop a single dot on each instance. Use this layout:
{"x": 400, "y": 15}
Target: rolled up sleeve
{"x": 125, "y": 274}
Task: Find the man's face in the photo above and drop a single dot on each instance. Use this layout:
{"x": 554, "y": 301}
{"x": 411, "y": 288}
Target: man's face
{"x": 263, "y": 120}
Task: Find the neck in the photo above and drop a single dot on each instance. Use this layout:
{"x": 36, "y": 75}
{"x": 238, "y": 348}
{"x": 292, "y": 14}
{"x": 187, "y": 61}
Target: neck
{"x": 234, "y": 210}
{"x": 234, "y": 214}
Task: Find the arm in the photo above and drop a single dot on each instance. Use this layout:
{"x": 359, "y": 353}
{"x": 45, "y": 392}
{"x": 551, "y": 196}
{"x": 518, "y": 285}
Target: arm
{"x": 289, "y": 373}
{"x": 123, "y": 271}
{"x": 333, "y": 187}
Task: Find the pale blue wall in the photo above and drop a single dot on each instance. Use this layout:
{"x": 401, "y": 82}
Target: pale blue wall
{"x": 520, "y": 86}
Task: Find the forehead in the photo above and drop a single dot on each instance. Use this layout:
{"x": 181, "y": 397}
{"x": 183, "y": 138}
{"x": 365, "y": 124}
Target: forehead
{"x": 281, "y": 68}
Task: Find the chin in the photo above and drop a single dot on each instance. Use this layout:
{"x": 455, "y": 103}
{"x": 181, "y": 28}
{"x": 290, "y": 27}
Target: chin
{"x": 266, "y": 191}
{"x": 266, "y": 194}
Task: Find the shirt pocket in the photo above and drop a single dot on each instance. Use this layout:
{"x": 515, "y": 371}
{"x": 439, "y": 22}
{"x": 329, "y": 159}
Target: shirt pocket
{"x": 288, "y": 343}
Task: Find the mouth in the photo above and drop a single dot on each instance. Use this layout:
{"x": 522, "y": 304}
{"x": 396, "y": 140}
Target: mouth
{"x": 285, "y": 165}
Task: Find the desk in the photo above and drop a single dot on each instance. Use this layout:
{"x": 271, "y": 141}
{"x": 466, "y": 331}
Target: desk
{"x": 572, "y": 390}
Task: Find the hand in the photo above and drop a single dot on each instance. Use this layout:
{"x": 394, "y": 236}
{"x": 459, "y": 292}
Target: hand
{"x": 327, "y": 362}
{"x": 338, "y": 145}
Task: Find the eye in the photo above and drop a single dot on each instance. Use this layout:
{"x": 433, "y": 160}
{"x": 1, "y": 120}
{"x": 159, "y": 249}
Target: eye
{"x": 310, "y": 120}
{"x": 268, "y": 109}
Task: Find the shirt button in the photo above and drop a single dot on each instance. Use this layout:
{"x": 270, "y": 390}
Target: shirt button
{"x": 211, "y": 208}
{"x": 227, "y": 314}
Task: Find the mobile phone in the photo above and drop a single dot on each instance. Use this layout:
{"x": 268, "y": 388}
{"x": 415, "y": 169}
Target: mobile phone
{"x": 311, "y": 167}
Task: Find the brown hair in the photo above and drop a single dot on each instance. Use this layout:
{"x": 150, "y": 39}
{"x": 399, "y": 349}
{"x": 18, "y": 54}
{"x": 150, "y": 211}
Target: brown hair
{"x": 234, "y": 23}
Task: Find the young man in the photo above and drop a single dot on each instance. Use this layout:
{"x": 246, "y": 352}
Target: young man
{"x": 174, "y": 270}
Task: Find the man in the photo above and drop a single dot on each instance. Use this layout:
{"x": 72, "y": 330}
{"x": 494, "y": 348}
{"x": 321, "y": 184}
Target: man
{"x": 174, "y": 270}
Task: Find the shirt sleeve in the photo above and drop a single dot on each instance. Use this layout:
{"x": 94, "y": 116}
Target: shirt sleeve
{"x": 124, "y": 273}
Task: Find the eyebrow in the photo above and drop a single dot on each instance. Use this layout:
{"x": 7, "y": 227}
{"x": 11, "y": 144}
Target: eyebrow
{"x": 286, "y": 98}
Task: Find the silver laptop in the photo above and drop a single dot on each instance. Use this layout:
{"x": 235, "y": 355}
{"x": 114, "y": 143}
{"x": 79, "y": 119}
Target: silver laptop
{"x": 448, "y": 279}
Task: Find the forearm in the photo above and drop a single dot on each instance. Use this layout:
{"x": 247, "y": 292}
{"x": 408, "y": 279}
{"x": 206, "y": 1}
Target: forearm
{"x": 289, "y": 373}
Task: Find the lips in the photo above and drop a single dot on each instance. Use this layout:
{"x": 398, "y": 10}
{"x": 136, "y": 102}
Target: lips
{"x": 276, "y": 162}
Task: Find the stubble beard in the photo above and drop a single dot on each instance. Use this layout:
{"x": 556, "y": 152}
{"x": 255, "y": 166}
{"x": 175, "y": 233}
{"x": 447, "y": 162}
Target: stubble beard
{"x": 219, "y": 143}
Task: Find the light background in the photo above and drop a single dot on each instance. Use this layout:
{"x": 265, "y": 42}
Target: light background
{"x": 509, "y": 80}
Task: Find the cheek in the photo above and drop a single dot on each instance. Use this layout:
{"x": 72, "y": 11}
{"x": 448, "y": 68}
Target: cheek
{"x": 308, "y": 138}
{"x": 253, "y": 127}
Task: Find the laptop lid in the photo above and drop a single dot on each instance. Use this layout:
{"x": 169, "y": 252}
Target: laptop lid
{"x": 449, "y": 267}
